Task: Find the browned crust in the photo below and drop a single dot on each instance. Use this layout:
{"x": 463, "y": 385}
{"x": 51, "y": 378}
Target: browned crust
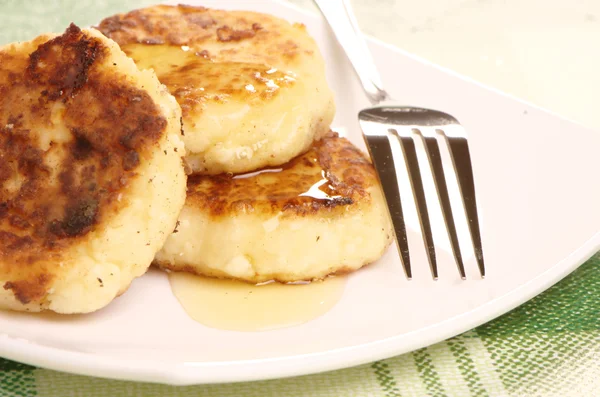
{"x": 228, "y": 52}
{"x": 332, "y": 175}
{"x": 225, "y": 33}
{"x": 27, "y": 290}
{"x": 174, "y": 25}
{"x": 196, "y": 81}
{"x": 200, "y": 26}
{"x": 112, "y": 127}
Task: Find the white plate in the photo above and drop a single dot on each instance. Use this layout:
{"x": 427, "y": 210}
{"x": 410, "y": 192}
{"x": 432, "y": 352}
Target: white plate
{"x": 540, "y": 217}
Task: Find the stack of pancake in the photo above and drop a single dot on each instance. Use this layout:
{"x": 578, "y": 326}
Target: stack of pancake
{"x": 272, "y": 193}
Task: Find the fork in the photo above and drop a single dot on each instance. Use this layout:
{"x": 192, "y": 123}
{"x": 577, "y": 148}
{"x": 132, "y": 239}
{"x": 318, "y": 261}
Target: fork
{"x": 390, "y": 131}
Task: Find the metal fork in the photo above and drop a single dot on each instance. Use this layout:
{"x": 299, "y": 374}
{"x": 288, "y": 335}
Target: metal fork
{"x": 390, "y": 131}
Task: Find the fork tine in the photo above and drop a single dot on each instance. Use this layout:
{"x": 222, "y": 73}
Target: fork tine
{"x": 412, "y": 163}
{"x": 432, "y": 149}
{"x": 461, "y": 159}
{"x": 381, "y": 153}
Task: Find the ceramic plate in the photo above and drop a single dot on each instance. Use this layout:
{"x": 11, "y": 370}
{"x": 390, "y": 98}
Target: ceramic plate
{"x": 536, "y": 181}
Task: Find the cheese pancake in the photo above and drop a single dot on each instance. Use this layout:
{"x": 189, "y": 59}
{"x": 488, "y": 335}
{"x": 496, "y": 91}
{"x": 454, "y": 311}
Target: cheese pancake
{"x": 91, "y": 173}
{"x": 320, "y": 214}
{"x": 251, "y": 86}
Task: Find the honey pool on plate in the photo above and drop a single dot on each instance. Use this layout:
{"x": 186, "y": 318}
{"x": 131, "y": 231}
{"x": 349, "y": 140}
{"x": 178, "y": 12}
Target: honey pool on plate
{"x": 238, "y": 306}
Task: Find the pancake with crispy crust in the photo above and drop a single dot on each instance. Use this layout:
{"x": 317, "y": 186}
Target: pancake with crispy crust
{"x": 91, "y": 173}
{"x": 322, "y": 213}
{"x": 251, "y": 86}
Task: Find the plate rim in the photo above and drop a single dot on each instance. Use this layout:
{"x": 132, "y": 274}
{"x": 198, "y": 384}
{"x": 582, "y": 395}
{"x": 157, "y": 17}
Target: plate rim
{"x": 194, "y": 373}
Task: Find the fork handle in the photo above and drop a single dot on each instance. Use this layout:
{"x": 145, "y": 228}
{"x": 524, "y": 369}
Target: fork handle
{"x": 342, "y": 21}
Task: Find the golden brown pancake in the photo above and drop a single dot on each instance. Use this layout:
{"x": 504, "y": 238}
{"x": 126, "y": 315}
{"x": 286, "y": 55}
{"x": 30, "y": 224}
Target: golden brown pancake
{"x": 91, "y": 174}
{"x": 319, "y": 214}
{"x": 251, "y": 86}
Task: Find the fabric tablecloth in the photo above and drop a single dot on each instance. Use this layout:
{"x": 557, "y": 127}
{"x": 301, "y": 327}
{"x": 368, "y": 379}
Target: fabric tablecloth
{"x": 548, "y": 347}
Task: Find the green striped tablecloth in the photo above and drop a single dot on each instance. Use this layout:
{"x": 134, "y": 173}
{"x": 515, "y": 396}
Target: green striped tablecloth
{"x": 547, "y": 347}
